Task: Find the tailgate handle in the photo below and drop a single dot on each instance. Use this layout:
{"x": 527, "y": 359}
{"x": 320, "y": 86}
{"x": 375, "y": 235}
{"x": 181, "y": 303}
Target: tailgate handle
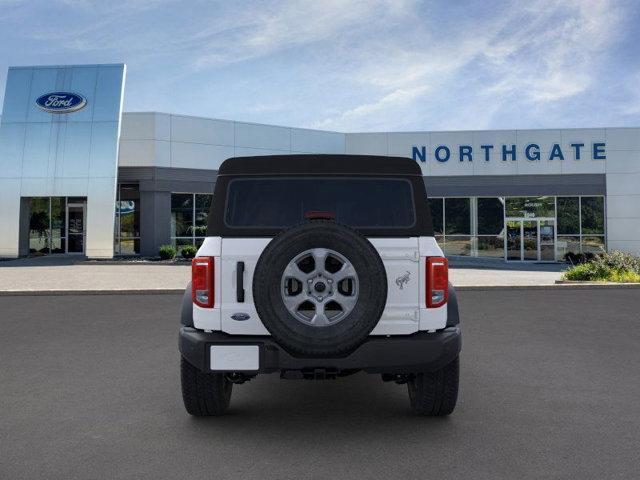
{"x": 240, "y": 282}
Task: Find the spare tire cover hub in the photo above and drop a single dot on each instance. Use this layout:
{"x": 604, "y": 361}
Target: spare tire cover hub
{"x": 320, "y": 287}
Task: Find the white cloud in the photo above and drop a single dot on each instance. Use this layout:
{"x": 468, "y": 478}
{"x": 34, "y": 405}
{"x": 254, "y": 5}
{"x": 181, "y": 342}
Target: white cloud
{"x": 551, "y": 56}
{"x": 538, "y": 54}
{"x": 398, "y": 98}
{"x": 283, "y": 25}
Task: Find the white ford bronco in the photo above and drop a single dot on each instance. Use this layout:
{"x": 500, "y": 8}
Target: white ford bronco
{"x": 315, "y": 267}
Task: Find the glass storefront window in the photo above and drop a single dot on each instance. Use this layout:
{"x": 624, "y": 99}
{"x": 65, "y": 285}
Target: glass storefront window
{"x": 189, "y": 213}
{"x": 39, "y": 225}
{"x": 58, "y": 216}
{"x": 490, "y": 246}
{"x": 538, "y": 228}
{"x": 203, "y": 202}
{"x": 568, "y": 216}
{"x": 457, "y": 216}
{"x": 181, "y": 242}
{"x": 530, "y": 207}
{"x": 127, "y": 227}
{"x": 592, "y": 214}
{"x": 181, "y": 215}
{"x": 593, "y": 244}
{"x": 490, "y": 216}
{"x": 48, "y": 229}
{"x": 567, "y": 244}
{"x": 435, "y": 204}
{"x": 457, "y": 245}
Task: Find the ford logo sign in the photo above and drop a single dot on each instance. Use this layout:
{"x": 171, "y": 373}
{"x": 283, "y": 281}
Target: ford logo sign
{"x": 61, "y": 102}
{"x": 240, "y": 317}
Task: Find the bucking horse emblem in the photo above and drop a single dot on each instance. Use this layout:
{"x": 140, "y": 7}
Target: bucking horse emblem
{"x": 403, "y": 279}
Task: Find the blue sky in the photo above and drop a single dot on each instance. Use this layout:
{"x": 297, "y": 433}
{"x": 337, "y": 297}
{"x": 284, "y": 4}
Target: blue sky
{"x": 350, "y": 65}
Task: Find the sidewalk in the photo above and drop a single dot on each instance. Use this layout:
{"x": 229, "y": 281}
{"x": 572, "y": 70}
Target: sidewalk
{"x": 68, "y": 274}
{"x": 64, "y": 274}
{"x": 491, "y": 273}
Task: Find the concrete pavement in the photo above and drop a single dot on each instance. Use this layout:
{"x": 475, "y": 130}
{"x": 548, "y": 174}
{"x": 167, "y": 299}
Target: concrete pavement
{"x": 66, "y": 274}
{"x": 549, "y": 387}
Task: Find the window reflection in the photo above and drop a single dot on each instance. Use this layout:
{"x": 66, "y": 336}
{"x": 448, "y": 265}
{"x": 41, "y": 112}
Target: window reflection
{"x": 436, "y": 207}
{"x": 189, "y": 214}
{"x": 490, "y": 216}
{"x": 127, "y": 226}
{"x": 568, "y": 215}
{"x": 592, "y": 214}
{"x": 457, "y": 215}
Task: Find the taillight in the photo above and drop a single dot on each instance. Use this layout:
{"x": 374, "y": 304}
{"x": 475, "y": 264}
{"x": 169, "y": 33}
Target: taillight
{"x": 437, "y": 281}
{"x": 202, "y": 281}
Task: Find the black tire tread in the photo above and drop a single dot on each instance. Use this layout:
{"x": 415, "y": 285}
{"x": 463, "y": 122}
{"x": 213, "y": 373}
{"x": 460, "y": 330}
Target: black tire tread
{"x": 435, "y": 394}
{"x": 204, "y": 394}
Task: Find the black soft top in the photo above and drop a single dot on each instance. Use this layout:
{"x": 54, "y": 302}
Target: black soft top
{"x": 314, "y": 164}
{"x": 320, "y": 165}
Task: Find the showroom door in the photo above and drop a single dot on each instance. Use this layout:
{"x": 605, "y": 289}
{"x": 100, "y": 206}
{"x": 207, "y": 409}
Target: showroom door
{"x": 531, "y": 240}
{"x": 76, "y": 219}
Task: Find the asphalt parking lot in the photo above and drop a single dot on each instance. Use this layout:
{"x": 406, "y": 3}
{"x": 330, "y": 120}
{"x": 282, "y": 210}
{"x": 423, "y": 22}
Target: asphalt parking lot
{"x": 550, "y": 382}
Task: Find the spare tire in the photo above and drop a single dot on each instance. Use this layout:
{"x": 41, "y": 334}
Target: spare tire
{"x": 319, "y": 288}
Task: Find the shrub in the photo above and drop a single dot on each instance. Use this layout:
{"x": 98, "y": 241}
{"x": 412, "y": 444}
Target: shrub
{"x": 188, "y": 251}
{"x": 167, "y": 252}
{"x": 583, "y": 271}
{"x": 615, "y": 266}
{"x": 617, "y": 260}
{"x": 578, "y": 258}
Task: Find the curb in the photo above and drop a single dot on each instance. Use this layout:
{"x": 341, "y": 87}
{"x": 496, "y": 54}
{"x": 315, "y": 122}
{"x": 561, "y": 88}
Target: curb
{"x": 39, "y": 293}
{"x": 551, "y": 286}
{"x": 181, "y": 263}
{"x": 581, "y": 282}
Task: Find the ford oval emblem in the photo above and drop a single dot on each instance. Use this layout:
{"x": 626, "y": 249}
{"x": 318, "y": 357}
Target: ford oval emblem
{"x": 61, "y": 102}
{"x": 240, "y": 317}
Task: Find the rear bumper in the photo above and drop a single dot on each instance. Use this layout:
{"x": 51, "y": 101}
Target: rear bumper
{"x": 420, "y": 352}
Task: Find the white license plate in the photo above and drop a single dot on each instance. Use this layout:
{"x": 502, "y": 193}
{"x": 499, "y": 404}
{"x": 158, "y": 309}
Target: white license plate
{"x": 234, "y": 357}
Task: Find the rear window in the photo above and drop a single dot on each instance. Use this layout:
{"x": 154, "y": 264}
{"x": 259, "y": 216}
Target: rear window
{"x": 282, "y": 202}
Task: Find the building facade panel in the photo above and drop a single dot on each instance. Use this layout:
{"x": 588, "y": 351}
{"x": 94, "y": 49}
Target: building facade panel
{"x": 144, "y": 153}
{"x": 199, "y": 155}
{"x": 202, "y": 130}
{"x": 313, "y": 141}
{"x": 70, "y": 116}
{"x": 11, "y": 149}
{"x": 16, "y": 105}
{"x": 267, "y": 137}
{"x": 142, "y": 126}
{"x": 623, "y": 139}
{"x": 367, "y": 144}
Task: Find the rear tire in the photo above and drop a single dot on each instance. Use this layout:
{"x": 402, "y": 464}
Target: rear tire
{"x": 435, "y": 394}
{"x": 204, "y": 394}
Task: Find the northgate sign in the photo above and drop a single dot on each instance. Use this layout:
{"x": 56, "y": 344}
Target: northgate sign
{"x": 531, "y": 152}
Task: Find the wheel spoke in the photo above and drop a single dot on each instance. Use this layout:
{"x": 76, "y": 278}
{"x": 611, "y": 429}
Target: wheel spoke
{"x": 293, "y": 302}
{"x": 347, "y": 271}
{"x": 293, "y": 271}
{"x": 320, "y": 318}
{"x": 347, "y": 302}
{"x": 319, "y": 257}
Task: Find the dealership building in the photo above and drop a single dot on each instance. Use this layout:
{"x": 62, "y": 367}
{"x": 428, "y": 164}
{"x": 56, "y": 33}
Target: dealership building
{"x": 80, "y": 176}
